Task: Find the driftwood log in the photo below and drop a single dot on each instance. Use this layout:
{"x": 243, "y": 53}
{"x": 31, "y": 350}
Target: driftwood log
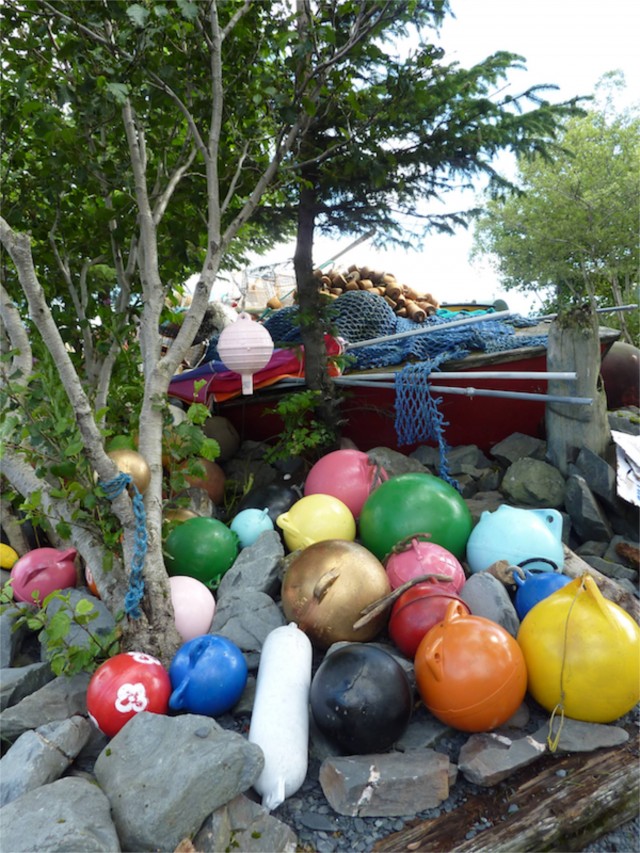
{"x": 570, "y": 802}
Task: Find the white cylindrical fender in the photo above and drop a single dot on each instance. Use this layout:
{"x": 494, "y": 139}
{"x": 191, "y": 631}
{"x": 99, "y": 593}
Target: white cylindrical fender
{"x": 280, "y": 717}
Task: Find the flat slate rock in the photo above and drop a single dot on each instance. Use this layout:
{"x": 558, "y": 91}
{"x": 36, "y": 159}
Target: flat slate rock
{"x": 70, "y": 814}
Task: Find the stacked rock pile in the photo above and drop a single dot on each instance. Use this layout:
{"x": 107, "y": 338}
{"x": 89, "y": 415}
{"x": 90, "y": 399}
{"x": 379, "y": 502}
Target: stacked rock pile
{"x": 184, "y": 782}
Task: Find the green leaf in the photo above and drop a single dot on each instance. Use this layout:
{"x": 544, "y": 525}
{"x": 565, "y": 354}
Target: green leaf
{"x": 58, "y": 626}
{"x": 120, "y": 91}
{"x": 138, "y": 14}
{"x": 188, "y": 9}
{"x": 83, "y": 607}
{"x": 210, "y": 449}
{"x": 63, "y": 529}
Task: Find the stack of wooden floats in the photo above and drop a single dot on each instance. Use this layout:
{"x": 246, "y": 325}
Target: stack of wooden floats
{"x": 405, "y": 301}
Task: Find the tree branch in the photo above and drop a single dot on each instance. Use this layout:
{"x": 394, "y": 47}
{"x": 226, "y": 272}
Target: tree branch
{"x": 13, "y": 328}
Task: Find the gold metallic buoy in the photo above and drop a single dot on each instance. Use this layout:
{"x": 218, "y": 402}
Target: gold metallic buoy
{"x": 179, "y": 513}
{"x": 326, "y": 587}
{"x": 133, "y": 463}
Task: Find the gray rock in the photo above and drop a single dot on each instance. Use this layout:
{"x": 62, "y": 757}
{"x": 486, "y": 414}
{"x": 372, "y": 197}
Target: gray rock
{"x": 424, "y": 731}
{"x": 517, "y": 446}
{"x": 598, "y": 474}
{"x": 395, "y": 463}
{"x": 246, "y": 702}
{"x": 466, "y": 459}
{"x": 467, "y": 485}
{"x": 392, "y": 784}
{"x": 611, "y": 570}
{"x": 612, "y": 553}
{"x": 19, "y": 681}
{"x": 587, "y": 517}
{"x": 41, "y": 756}
{"x": 519, "y": 719}
{"x": 11, "y": 637}
{"x": 246, "y": 620}
{"x": 59, "y": 699}
{"x": 258, "y": 567}
{"x": 101, "y": 626}
{"x": 488, "y": 758}
{"x": 625, "y": 420}
{"x": 591, "y": 548}
{"x": 427, "y": 456}
{"x": 244, "y": 825}
{"x": 533, "y": 483}
{"x": 70, "y": 814}
{"x": 484, "y": 502}
{"x": 489, "y": 480}
{"x": 486, "y": 596}
{"x": 165, "y": 775}
{"x": 577, "y": 736}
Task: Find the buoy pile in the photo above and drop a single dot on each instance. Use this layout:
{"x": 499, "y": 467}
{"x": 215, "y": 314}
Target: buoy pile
{"x": 370, "y": 556}
{"x": 404, "y": 300}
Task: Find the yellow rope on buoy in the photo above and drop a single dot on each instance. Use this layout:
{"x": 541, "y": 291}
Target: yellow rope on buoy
{"x": 554, "y": 740}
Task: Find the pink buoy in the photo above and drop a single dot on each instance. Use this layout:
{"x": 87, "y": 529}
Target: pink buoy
{"x": 349, "y": 475}
{"x": 415, "y": 558}
{"x": 194, "y": 606}
{"x": 41, "y": 572}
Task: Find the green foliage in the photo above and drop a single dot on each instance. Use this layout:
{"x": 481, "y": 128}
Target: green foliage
{"x": 44, "y": 431}
{"x": 184, "y": 447}
{"x": 303, "y": 434}
{"x": 573, "y": 226}
{"x": 53, "y": 626}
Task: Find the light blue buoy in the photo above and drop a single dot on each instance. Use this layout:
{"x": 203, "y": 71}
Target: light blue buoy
{"x": 517, "y": 535}
{"x": 249, "y": 524}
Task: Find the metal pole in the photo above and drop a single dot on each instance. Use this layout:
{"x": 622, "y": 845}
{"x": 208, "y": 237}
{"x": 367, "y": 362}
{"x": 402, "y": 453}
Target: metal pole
{"x": 481, "y": 374}
{"x": 512, "y": 395}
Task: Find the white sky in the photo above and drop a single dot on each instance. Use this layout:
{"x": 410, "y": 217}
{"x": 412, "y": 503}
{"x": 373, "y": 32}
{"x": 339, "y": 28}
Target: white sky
{"x": 568, "y": 43}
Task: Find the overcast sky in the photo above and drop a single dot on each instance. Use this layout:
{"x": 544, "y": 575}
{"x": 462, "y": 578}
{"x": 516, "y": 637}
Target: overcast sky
{"x": 568, "y": 43}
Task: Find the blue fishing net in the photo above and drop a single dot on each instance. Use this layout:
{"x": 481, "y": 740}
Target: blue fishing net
{"x": 363, "y": 316}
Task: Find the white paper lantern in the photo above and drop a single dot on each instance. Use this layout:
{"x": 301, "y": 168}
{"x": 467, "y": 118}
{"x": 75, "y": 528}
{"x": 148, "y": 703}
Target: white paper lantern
{"x": 245, "y": 347}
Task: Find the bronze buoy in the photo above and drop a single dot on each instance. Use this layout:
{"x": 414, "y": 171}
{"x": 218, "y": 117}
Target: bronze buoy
{"x": 326, "y": 587}
{"x": 133, "y": 463}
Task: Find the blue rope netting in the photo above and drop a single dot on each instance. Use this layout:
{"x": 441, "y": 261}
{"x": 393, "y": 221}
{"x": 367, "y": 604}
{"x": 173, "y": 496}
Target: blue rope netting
{"x": 112, "y": 489}
{"x": 361, "y": 316}
{"x": 418, "y": 417}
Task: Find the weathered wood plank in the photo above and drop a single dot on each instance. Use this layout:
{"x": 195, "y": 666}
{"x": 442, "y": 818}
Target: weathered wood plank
{"x": 569, "y": 803}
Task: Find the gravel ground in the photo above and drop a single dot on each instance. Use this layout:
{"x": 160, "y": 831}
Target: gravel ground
{"x": 321, "y": 830}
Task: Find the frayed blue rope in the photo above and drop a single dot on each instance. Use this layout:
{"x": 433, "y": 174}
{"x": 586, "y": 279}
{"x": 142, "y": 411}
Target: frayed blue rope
{"x": 113, "y": 488}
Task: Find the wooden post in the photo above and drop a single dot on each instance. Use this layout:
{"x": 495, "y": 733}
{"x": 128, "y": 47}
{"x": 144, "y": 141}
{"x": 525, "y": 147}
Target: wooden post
{"x": 574, "y": 344}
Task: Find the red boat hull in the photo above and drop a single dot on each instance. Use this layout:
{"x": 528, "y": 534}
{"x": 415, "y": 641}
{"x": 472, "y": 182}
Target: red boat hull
{"x": 370, "y": 413}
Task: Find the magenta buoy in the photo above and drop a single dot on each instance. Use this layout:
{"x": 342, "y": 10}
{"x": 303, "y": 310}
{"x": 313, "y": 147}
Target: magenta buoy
{"x": 349, "y": 475}
{"x": 43, "y": 571}
{"x": 417, "y": 558}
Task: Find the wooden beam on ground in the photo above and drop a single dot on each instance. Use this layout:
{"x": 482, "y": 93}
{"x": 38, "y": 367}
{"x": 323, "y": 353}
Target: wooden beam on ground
{"x": 569, "y": 803}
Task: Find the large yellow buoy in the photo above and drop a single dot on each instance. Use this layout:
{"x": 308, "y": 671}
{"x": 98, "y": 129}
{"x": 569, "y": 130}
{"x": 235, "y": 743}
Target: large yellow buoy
{"x": 582, "y": 653}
